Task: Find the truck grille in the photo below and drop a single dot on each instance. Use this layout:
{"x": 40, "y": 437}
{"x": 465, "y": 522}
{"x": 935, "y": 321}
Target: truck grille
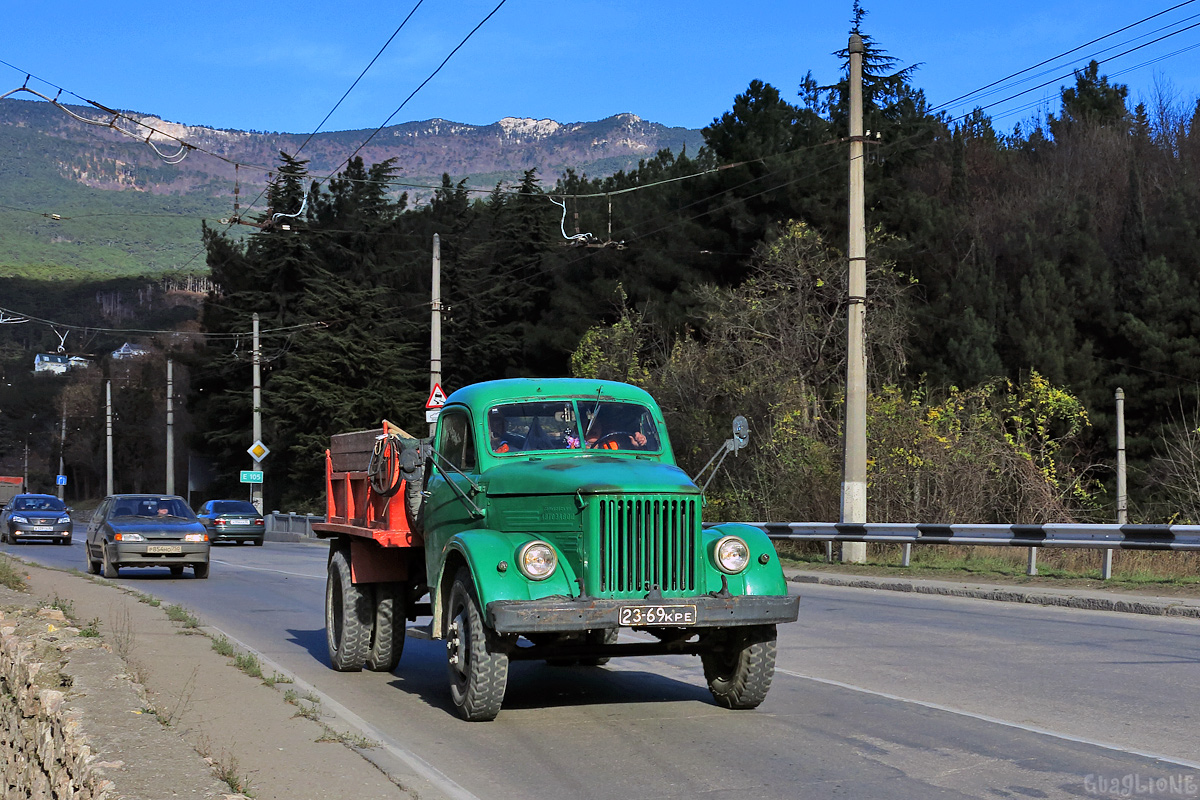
{"x": 648, "y": 541}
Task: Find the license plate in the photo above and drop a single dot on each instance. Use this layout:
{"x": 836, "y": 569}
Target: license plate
{"x": 637, "y": 616}
{"x": 40, "y": 528}
{"x": 164, "y": 548}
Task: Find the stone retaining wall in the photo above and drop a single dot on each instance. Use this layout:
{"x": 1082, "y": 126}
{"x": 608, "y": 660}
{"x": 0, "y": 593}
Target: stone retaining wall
{"x": 73, "y": 726}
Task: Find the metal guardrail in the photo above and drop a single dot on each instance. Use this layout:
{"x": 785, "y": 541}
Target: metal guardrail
{"x": 1112, "y": 536}
{"x": 289, "y": 527}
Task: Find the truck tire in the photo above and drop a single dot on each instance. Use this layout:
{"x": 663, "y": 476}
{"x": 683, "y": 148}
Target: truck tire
{"x": 478, "y": 666}
{"x": 347, "y": 617}
{"x": 602, "y": 636}
{"x": 387, "y": 634}
{"x": 739, "y": 674}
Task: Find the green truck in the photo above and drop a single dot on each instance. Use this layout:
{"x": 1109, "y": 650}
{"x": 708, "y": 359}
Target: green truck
{"x": 544, "y": 517}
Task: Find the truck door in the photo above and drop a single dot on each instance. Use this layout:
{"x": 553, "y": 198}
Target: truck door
{"x": 451, "y": 508}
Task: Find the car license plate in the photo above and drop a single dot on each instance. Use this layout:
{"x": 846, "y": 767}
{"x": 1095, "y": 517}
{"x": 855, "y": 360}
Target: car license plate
{"x": 637, "y": 616}
{"x": 41, "y": 528}
{"x": 164, "y": 548}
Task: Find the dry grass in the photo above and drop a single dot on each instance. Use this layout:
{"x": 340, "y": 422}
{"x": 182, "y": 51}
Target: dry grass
{"x": 11, "y": 574}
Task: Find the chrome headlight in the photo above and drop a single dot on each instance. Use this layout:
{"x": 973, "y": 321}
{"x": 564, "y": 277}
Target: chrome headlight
{"x": 128, "y": 537}
{"x": 196, "y": 537}
{"x": 537, "y": 560}
{"x": 18, "y": 518}
{"x": 64, "y": 518}
{"x": 732, "y": 555}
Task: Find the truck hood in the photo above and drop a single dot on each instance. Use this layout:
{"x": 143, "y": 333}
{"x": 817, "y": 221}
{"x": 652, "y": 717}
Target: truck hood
{"x": 588, "y": 475}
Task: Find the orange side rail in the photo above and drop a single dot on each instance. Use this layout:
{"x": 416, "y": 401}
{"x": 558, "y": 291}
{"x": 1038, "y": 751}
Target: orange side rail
{"x": 352, "y": 507}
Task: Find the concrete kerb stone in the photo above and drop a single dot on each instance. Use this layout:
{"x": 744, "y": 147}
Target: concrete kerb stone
{"x": 1090, "y": 600}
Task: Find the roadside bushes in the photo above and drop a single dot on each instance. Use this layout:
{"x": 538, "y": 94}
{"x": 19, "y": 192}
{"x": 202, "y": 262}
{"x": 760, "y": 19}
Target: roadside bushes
{"x": 773, "y": 350}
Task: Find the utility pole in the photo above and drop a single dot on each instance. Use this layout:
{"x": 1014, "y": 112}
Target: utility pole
{"x": 62, "y": 446}
{"x": 256, "y": 489}
{"x": 854, "y": 475}
{"x": 435, "y": 324}
{"x": 1122, "y": 491}
{"x": 108, "y": 419}
{"x": 170, "y": 427}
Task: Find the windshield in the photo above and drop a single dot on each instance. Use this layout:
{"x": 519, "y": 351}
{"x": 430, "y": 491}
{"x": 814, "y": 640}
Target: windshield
{"x": 570, "y": 425}
{"x": 38, "y": 504}
{"x": 233, "y": 507}
{"x": 151, "y": 507}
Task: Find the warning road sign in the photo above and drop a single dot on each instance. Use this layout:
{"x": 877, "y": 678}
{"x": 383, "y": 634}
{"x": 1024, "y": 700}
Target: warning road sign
{"x": 437, "y": 398}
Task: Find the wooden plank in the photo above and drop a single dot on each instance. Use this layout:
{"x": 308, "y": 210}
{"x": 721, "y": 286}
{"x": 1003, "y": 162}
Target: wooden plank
{"x": 351, "y": 452}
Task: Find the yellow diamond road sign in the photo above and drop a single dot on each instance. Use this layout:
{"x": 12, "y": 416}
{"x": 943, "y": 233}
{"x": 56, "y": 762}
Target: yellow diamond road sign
{"x": 258, "y": 451}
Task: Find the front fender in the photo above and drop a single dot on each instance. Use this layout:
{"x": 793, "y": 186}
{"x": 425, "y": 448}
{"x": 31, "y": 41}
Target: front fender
{"x": 758, "y": 578}
{"x": 483, "y": 550}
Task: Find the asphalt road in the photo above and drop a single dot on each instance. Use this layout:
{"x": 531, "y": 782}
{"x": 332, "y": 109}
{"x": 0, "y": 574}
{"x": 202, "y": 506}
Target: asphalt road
{"x": 878, "y": 694}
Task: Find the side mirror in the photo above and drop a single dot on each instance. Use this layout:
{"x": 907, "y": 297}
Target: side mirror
{"x": 741, "y": 437}
{"x": 741, "y": 433}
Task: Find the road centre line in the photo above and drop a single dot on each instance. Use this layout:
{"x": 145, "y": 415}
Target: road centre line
{"x": 995, "y": 720}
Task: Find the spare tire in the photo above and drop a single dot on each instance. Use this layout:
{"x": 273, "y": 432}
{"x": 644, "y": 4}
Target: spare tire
{"x": 414, "y": 487}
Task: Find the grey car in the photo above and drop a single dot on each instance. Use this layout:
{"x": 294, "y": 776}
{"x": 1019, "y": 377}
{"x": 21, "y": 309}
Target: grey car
{"x": 146, "y": 530}
{"x": 35, "y": 516}
{"x": 232, "y": 521}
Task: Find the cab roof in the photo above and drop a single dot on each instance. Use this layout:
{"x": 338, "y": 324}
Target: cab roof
{"x": 513, "y": 390}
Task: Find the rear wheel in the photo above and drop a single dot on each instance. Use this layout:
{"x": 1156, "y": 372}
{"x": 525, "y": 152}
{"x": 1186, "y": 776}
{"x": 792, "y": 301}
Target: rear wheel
{"x": 602, "y": 636}
{"x": 347, "y": 617}
{"x": 740, "y": 670}
{"x": 387, "y": 634}
{"x": 477, "y": 662}
{"x": 93, "y": 566}
{"x": 109, "y": 569}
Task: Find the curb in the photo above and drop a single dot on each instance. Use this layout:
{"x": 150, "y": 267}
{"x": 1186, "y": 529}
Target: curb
{"x": 1091, "y": 602}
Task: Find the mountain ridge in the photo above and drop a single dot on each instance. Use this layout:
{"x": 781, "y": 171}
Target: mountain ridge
{"x": 113, "y": 198}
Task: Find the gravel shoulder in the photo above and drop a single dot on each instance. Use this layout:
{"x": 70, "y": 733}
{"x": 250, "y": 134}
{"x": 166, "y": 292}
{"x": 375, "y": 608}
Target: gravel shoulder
{"x": 254, "y": 739}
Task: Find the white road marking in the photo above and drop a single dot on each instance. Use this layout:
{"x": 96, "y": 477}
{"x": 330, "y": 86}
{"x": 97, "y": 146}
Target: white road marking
{"x": 266, "y": 569}
{"x": 995, "y": 720}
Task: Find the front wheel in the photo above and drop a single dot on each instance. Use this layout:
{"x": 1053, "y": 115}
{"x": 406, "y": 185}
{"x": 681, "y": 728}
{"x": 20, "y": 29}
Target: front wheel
{"x": 739, "y": 670}
{"x": 347, "y": 617}
{"x": 477, "y": 663}
{"x": 109, "y": 569}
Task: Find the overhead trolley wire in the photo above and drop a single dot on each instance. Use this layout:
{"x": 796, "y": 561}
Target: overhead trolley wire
{"x": 1060, "y": 55}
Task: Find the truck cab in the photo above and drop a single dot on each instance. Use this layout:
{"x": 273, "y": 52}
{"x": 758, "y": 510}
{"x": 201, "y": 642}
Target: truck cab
{"x": 552, "y": 516}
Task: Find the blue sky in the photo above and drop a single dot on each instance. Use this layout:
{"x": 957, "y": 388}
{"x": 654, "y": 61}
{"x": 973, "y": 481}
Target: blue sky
{"x": 282, "y": 66}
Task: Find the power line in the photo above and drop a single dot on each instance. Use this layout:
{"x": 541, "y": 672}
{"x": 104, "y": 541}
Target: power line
{"x": 361, "y": 74}
{"x": 1060, "y": 55}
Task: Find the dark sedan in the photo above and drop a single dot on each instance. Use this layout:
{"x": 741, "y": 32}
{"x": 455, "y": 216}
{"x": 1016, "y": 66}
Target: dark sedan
{"x": 232, "y": 521}
{"x": 35, "y": 516}
{"x": 146, "y": 530}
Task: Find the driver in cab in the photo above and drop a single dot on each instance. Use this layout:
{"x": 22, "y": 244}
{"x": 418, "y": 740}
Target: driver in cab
{"x": 606, "y": 432}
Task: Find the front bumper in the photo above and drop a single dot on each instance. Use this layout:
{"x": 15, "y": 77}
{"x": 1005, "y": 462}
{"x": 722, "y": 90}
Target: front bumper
{"x": 564, "y": 614}
{"x": 30, "y": 530}
{"x": 137, "y": 554}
